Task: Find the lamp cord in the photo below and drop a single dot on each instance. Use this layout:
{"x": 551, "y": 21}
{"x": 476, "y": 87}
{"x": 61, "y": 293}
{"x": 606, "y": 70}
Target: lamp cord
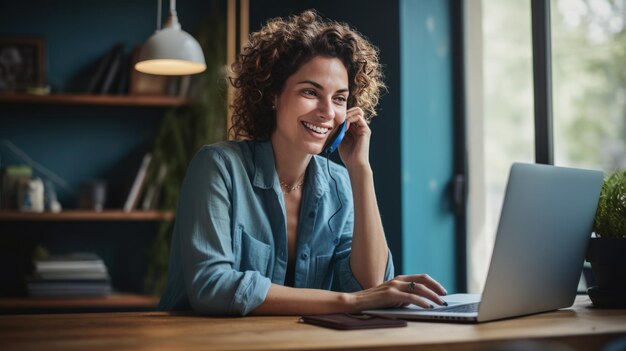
{"x": 158, "y": 15}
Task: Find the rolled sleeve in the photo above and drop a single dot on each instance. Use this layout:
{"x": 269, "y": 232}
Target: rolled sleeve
{"x": 206, "y": 254}
{"x": 251, "y": 293}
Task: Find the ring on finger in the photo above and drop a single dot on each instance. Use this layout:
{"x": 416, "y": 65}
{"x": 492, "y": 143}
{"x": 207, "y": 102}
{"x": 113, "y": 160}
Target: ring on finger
{"x": 412, "y": 286}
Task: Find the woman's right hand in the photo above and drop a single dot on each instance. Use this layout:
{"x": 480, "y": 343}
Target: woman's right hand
{"x": 398, "y": 292}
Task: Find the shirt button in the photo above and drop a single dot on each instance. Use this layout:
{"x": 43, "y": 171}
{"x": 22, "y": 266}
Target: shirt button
{"x": 304, "y": 256}
{"x": 311, "y": 214}
{"x": 282, "y": 254}
{"x": 336, "y": 241}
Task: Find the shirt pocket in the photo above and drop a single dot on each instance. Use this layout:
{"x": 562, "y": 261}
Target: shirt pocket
{"x": 251, "y": 254}
{"x": 323, "y": 276}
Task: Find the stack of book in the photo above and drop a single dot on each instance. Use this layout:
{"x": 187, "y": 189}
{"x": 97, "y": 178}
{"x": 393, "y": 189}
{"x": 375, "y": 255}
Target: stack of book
{"x": 72, "y": 275}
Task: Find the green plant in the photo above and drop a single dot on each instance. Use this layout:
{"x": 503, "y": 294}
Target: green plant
{"x": 181, "y": 133}
{"x": 610, "y": 221}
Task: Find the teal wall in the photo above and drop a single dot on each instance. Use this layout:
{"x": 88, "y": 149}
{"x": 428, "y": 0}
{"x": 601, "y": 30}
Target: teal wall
{"x": 426, "y": 139}
{"x": 77, "y": 33}
{"x": 82, "y": 143}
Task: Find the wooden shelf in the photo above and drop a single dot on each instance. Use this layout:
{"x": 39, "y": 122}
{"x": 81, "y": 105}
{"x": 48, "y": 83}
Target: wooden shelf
{"x": 86, "y": 99}
{"x": 115, "y": 301}
{"x": 85, "y": 215}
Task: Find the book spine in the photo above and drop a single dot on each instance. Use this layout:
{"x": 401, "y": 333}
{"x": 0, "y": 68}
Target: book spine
{"x": 133, "y": 196}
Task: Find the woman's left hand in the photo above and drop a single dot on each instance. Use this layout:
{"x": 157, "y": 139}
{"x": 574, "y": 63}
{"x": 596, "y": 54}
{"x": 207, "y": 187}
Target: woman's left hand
{"x": 354, "y": 148}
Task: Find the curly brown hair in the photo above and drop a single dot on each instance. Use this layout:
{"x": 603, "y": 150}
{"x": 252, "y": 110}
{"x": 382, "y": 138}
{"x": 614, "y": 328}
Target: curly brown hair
{"x": 279, "y": 49}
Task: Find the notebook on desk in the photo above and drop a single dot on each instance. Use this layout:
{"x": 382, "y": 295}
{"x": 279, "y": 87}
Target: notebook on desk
{"x": 545, "y": 224}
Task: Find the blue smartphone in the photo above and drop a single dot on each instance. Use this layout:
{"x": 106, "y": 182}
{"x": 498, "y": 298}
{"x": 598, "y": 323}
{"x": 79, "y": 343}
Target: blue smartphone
{"x": 334, "y": 141}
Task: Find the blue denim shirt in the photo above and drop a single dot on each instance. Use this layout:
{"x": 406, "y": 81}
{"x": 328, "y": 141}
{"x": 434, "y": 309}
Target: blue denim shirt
{"x": 230, "y": 237}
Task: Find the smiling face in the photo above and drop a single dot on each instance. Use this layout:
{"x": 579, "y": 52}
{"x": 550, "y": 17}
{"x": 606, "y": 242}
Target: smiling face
{"x": 311, "y": 105}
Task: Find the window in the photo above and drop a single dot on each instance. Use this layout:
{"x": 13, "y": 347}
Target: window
{"x": 589, "y": 100}
{"x": 500, "y": 122}
{"x": 589, "y": 83}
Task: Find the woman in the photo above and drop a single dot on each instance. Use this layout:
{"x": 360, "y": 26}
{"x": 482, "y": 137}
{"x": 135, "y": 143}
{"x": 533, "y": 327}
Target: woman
{"x": 265, "y": 225}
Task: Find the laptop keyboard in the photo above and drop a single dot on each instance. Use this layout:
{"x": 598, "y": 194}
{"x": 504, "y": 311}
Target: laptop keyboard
{"x": 471, "y": 307}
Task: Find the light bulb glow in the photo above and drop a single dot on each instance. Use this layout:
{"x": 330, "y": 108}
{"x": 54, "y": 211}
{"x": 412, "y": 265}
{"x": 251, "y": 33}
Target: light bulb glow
{"x": 169, "y": 67}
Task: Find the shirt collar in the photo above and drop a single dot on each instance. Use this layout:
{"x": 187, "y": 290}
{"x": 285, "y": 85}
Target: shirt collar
{"x": 265, "y": 176}
{"x": 318, "y": 175}
{"x": 264, "y": 169}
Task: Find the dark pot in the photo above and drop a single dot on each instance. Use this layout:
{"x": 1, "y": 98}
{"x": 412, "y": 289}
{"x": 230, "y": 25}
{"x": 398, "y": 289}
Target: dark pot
{"x": 608, "y": 263}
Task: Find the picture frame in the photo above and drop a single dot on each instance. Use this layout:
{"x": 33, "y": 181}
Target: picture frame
{"x": 22, "y": 63}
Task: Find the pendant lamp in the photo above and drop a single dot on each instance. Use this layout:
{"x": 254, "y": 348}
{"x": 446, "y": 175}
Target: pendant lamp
{"x": 171, "y": 51}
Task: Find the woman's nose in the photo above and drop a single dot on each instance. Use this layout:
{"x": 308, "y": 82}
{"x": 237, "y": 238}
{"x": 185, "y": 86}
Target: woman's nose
{"x": 326, "y": 109}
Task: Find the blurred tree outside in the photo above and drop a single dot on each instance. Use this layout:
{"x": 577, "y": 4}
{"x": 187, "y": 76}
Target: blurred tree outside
{"x": 589, "y": 83}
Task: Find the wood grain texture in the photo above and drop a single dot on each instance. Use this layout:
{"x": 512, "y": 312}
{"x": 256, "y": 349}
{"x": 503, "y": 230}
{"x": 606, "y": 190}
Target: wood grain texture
{"x": 113, "y": 300}
{"x": 100, "y": 100}
{"x": 87, "y": 215}
{"x": 580, "y": 327}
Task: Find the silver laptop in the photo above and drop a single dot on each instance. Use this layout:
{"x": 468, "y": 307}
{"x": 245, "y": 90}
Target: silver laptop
{"x": 545, "y": 224}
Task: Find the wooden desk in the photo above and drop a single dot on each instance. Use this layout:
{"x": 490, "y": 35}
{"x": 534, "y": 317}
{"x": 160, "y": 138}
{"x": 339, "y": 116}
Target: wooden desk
{"x": 114, "y": 302}
{"x": 580, "y": 327}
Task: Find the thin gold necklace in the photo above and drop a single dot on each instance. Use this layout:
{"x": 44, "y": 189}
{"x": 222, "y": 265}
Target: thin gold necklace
{"x": 289, "y": 188}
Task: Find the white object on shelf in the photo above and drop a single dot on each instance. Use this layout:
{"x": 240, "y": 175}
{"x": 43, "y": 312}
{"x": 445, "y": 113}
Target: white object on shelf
{"x": 30, "y": 195}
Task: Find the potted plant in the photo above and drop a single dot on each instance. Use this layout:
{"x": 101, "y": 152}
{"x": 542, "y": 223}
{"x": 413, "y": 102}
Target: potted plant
{"x": 607, "y": 251}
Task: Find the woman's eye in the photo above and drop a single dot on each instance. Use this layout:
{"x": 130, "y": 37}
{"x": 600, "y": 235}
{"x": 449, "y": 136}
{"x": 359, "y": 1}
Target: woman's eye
{"x": 341, "y": 99}
{"x": 309, "y": 92}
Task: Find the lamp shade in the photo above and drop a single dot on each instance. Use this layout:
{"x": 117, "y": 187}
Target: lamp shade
{"x": 171, "y": 51}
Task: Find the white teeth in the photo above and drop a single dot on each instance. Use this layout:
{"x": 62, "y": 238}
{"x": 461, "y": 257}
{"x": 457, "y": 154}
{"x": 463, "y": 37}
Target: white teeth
{"x": 316, "y": 129}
